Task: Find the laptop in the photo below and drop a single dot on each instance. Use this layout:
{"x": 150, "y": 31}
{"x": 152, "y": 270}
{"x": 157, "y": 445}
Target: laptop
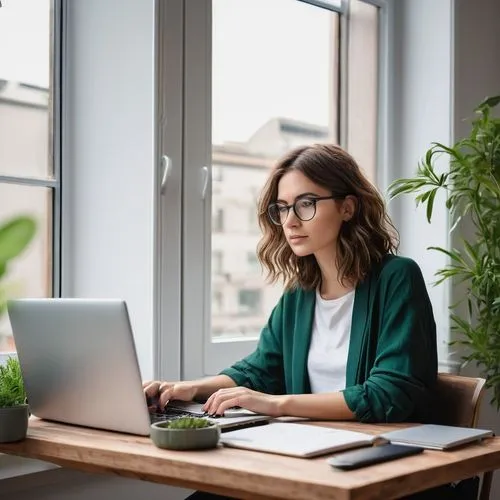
{"x": 80, "y": 367}
{"x": 436, "y": 437}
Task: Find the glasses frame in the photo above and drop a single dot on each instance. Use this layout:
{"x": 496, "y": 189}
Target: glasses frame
{"x": 293, "y": 205}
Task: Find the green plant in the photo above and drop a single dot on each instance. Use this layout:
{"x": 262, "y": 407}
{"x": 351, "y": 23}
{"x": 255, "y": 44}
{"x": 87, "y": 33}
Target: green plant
{"x": 15, "y": 235}
{"x": 188, "y": 423}
{"x": 12, "y": 391}
{"x": 473, "y": 192}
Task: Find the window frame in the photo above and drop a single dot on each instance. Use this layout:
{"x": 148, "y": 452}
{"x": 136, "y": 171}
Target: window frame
{"x": 201, "y": 355}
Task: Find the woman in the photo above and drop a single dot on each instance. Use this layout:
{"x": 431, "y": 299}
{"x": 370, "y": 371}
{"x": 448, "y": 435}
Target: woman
{"x": 353, "y": 336}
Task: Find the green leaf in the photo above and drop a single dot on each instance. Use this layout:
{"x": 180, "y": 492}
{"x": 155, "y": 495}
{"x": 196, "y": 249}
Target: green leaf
{"x": 471, "y": 251}
{"x": 489, "y": 102}
{"x": 453, "y": 254}
{"x": 15, "y": 235}
{"x": 430, "y": 204}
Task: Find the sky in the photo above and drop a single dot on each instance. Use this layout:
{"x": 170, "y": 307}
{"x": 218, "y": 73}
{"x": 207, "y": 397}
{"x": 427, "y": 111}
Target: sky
{"x": 24, "y": 41}
{"x": 270, "y": 58}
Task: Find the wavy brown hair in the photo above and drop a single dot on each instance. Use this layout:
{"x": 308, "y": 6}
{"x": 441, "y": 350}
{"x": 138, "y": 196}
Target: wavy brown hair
{"x": 363, "y": 240}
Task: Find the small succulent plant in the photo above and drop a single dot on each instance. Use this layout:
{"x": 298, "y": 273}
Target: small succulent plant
{"x": 188, "y": 423}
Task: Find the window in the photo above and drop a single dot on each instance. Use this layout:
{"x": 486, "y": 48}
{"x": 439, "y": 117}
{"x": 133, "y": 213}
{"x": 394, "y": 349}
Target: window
{"x": 247, "y": 100}
{"x": 29, "y": 170}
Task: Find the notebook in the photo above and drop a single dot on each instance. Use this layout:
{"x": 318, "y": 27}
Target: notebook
{"x": 297, "y": 440}
{"x": 436, "y": 437}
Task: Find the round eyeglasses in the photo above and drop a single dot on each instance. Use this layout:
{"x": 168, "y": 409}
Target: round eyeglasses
{"x": 304, "y": 209}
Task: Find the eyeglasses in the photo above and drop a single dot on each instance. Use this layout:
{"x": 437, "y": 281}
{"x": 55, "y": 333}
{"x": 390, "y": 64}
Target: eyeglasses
{"x": 304, "y": 209}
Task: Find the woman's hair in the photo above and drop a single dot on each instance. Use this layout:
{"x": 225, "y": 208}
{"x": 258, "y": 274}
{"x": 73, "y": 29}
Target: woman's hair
{"x": 363, "y": 240}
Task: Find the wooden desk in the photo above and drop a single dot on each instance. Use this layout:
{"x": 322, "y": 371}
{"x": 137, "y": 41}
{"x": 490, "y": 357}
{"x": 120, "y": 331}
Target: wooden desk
{"x": 251, "y": 475}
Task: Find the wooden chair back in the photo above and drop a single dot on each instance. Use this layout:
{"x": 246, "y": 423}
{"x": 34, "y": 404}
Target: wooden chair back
{"x": 456, "y": 401}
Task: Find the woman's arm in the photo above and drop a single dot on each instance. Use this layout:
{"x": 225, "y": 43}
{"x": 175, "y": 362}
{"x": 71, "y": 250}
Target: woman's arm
{"x": 327, "y": 406}
{"x": 205, "y": 387}
{"x": 405, "y": 366}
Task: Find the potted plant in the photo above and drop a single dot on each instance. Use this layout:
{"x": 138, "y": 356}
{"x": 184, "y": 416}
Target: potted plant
{"x": 472, "y": 185}
{"x": 15, "y": 235}
{"x": 14, "y": 411}
{"x": 185, "y": 433}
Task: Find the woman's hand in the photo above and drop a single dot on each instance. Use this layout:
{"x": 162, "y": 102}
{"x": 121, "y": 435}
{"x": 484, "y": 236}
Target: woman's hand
{"x": 258, "y": 402}
{"x": 160, "y": 393}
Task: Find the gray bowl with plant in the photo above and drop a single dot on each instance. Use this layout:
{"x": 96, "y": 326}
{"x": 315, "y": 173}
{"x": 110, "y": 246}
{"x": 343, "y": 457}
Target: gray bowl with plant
{"x": 14, "y": 411}
{"x": 185, "y": 433}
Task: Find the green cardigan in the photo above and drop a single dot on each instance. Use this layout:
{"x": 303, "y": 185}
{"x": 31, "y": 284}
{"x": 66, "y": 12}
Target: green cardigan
{"x": 392, "y": 359}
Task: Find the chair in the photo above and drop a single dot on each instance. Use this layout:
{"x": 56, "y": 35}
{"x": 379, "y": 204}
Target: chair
{"x": 456, "y": 401}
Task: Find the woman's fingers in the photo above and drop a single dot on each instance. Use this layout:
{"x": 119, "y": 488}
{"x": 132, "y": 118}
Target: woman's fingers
{"x": 151, "y": 388}
{"x": 214, "y": 402}
{"x": 166, "y": 393}
{"x": 236, "y": 400}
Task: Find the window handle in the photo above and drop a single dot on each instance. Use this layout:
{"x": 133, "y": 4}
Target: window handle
{"x": 166, "y": 167}
{"x": 206, "y": 175}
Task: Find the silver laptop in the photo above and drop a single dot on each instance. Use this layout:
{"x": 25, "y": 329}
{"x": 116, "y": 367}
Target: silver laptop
{"x": 80, "y": 366}
{"x": 436, "y": 437}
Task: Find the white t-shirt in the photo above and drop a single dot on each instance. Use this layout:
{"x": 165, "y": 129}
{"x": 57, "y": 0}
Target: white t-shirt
{"x": 327, "y": 359}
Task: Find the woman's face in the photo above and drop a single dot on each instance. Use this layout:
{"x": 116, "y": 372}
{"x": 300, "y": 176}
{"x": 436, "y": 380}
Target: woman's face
{"x": 317, "y": 236}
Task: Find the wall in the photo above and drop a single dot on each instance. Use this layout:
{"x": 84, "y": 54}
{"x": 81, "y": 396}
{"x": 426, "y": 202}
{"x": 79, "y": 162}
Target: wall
{"x": 420, "y": 79}
{"x": 108, "y": 163}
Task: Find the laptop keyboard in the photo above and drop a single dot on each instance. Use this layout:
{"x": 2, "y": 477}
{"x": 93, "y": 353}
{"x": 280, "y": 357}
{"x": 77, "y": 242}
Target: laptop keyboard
{"x": 171, "y": 414}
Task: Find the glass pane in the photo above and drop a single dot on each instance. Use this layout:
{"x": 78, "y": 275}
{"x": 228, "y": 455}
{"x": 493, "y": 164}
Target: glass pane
{"x": 362, "y": 93}
{"x": 30, "y": 275}
{"x": 274, "y": 87}
{"x": 25, "y": 94}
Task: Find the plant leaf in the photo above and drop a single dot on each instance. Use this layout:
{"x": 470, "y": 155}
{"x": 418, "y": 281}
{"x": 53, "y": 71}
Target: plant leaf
{"x": 430, "y": 204}
{"x": 15, "y": 236}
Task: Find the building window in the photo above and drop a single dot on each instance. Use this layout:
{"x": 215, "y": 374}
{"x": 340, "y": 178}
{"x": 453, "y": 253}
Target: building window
{"x": 218, "y": 221}
{"x": 249, "y": 301}
{"x": 217, "y": 301}
{"x": 217, "y": 262}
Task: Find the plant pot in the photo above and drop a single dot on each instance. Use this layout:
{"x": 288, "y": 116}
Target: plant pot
{"x": 13, "y": 423}
{"x": 184, "y": 439}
